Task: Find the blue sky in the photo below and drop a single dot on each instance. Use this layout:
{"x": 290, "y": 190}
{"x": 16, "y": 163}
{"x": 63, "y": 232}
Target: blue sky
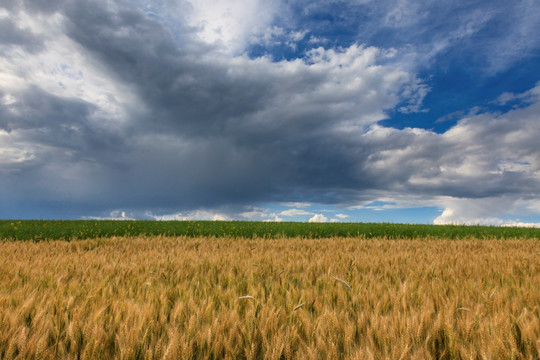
{"x": 380, "y": 111}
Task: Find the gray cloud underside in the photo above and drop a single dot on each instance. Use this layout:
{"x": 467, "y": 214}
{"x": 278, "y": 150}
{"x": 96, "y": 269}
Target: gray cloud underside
{"x": 207, "y": 130}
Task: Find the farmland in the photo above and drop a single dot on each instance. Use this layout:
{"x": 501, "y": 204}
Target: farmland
{"x": 269, "y": 297}
{"x": 37, "y": 230}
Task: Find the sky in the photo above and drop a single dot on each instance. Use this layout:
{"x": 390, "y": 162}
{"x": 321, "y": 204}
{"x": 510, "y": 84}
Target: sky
{"x": 401, "y": 111}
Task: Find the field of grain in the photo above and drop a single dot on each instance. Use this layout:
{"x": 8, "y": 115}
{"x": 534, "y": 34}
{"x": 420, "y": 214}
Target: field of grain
{"x": 38, "y": 230}
{"x": 235, "y": 298}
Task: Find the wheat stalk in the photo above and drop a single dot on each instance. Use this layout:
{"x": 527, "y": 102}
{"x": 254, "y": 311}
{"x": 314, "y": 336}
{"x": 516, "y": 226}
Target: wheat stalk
{"x": 343, "y": 282}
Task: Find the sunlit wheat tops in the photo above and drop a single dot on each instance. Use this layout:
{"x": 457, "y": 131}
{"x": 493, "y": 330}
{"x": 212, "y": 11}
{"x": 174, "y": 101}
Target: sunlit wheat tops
{"x": 203, "y": 298}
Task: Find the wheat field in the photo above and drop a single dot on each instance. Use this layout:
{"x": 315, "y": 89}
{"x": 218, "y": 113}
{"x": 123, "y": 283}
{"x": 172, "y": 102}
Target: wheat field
{"x": 233, "y": 298}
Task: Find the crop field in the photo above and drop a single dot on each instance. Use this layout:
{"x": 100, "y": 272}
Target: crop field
{"x": 37, "y": 230}
{"x": 231, "y": 297}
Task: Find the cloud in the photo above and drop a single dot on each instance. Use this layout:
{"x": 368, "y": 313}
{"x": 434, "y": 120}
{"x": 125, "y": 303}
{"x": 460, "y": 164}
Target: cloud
{"x": 474, "y": 212}
{"x": 184, "y": 129}
{"x": 255, "y": 213}
{"x": 296, "y": 204}
{"x": 297, "y": 35}
{"x": 108, "y": 105}
{"x": 274, "y": 219}
{"x": 114, "y": 215}
{"x": 482, "y": 149}
{"x": 11, "y": 34}
{"x": 318, "y": 218}
{"x": 191, "y": 215}
{"x": 295, "y": 212}
{"x": 528, "y": 97}
{"x": 315, "y": 40}
{"x": 230, "y": 24}
{"x": 493, "y": 35}
{"x": 521, "y": 224}
{"x": 488, "y": 211}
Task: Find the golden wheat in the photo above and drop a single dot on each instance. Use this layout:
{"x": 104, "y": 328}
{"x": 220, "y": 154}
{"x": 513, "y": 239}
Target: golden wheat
{"x": 186, "y": 298}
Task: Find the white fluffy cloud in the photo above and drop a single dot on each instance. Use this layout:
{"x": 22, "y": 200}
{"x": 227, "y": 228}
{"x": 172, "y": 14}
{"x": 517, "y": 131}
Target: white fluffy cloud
{"x": 231, "y": 23}
{"x": 295, "y": 212}
{"x": 274, "y": 219}
{"x": 487, "y": 165}
{"x": 318, "y": 218}
{"x": 480, "y": 212}
{"x": 192, "y": 215}
{"x": 114, "y": 215}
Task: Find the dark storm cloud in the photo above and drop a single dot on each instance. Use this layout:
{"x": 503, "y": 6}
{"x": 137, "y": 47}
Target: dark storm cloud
{"x": 180, "y": 89}
{"x": 4, "y": 121}
{"x": 58, "y": 122}
{"x": 34, "y": 7}
{"x": 10, "y": 34}
{"x": 250, "y": 139}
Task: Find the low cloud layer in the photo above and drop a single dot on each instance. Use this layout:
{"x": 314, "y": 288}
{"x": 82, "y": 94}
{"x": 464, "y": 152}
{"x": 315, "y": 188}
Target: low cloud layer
{"x": 104, "y": 106}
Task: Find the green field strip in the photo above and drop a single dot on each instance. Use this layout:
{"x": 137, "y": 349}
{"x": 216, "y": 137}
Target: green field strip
{"x": 81, "y": 229}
